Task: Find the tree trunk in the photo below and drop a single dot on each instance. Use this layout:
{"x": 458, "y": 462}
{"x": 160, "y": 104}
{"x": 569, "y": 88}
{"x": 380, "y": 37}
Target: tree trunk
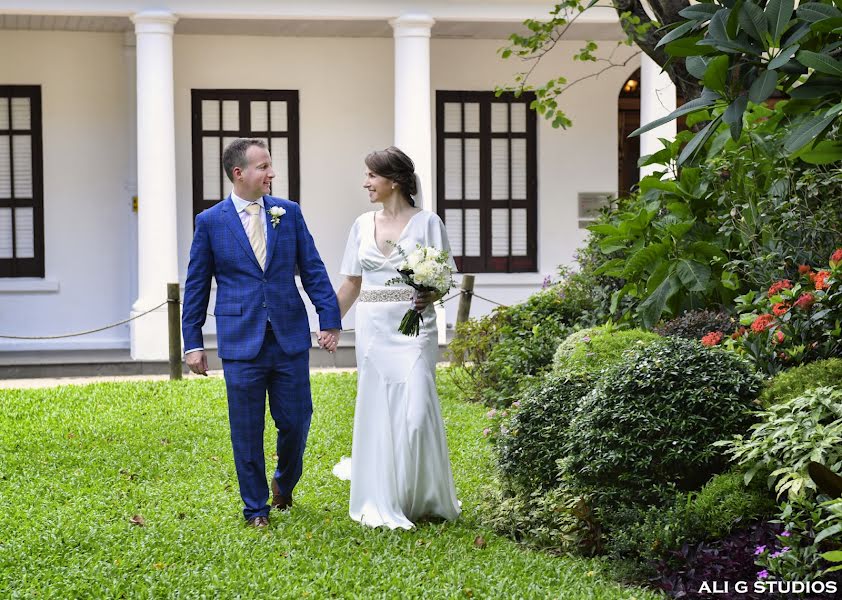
{"x": 666, "y": 12}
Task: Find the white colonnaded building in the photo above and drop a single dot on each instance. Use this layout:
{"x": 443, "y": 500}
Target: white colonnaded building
{"x": 113, "y": 115}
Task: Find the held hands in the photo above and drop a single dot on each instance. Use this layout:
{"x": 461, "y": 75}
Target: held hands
{"x": 328, "y": 339}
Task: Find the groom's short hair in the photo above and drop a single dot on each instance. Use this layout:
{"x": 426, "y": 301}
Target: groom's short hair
{"x": 235, "y": 154}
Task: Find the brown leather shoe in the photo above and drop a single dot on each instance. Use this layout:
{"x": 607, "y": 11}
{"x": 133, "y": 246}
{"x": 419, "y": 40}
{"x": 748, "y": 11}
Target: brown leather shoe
{"x": 259, "y": 522}
{"x": 279, "y": 502}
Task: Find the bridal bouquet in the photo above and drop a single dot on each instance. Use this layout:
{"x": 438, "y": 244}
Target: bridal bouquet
{"x": 426, "y": 269}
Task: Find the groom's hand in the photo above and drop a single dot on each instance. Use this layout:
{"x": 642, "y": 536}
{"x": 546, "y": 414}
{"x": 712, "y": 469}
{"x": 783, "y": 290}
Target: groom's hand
{"x": 197, "y": 361}
{"x": 328, "y": 339}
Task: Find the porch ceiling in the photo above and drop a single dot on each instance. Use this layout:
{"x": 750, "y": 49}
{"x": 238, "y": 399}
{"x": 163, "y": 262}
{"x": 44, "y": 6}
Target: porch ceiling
{"x": 498, "y": 30}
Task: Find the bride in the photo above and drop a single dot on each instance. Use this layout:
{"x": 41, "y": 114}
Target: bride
{"x": 399, "y": 466}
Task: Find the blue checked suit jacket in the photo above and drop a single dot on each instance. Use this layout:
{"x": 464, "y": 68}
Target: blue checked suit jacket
{"x": 246, "y": 297}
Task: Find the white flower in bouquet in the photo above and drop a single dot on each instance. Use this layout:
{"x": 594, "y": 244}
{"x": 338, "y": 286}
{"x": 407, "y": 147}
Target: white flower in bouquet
{"x": 426, "y": 269}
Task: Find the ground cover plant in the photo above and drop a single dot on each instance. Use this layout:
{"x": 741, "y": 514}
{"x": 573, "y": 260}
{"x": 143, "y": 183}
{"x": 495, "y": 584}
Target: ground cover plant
{"x": 128, "y": 490}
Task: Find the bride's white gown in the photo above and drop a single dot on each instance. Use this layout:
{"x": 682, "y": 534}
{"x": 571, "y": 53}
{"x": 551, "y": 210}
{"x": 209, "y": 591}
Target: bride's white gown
{"x": 399, "y": 466}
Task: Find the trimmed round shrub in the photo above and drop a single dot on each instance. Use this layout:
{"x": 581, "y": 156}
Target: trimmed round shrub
{"x": 794, "y": 382}
{"x": 588, "y": 352}
{"x": 694, "y": 324}
{"x": 652, "y": 420}
{"x": 529, "y": 447}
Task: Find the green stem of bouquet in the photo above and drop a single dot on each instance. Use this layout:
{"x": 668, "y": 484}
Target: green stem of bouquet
{"x": 411, "y": 323}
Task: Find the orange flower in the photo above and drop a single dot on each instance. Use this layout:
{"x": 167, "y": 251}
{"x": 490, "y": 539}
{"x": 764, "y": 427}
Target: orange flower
{"x": 780, "y": 308}
{"x": 712, "y": 339}
{"x": 820, "y": 281}
{"x": 783, "y": 284}
{"x": 803, "y": 269}
{"x": 835, "y": 258}
{"x": 762, "y": 323}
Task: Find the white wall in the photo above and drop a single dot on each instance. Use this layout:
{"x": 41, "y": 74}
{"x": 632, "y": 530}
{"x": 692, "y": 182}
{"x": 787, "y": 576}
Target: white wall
{"x": 87, "y": 212}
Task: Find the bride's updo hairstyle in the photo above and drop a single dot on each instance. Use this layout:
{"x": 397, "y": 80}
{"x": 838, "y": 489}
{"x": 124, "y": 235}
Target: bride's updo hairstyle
{"x": 393, "y": 164}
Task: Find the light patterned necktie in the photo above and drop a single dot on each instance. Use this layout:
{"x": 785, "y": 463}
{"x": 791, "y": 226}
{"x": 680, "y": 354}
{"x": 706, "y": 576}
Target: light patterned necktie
{"x": 257, "y": 237}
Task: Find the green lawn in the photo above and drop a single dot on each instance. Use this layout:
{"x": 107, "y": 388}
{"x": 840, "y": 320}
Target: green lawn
{"x": 79, "y": 463}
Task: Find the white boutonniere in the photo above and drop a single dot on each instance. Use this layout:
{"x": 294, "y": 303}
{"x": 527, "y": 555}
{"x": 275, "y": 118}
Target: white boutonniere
{"x": 276, "y": 212}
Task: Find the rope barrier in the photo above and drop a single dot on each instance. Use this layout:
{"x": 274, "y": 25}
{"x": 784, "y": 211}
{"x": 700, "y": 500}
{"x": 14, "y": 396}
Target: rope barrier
{"x": 475, "y": 295}
{"x": 67, "y": 335}
{"x": 164, "y": 303}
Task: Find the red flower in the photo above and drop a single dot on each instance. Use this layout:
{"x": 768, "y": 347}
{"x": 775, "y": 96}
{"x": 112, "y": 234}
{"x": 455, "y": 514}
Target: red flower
{"x": 783, "y": 284}
{"x": 805, "y": 301}
{"x": 712, "y": 338}
{"x": 803, "y": 269}
{"x": 836, "y": 257}
{"x": 779, "y": 337}
{"x": 780, "y": 308}
{"x": 762, "y": 323}
{"x": 820, "y": 280}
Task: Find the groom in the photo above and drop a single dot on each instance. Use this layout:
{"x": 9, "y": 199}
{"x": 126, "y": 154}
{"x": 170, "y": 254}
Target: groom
{"x": 251, "y": 244}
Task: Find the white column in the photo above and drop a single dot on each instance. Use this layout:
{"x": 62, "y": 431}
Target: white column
{"x": 413, "y": 110}
{"x": 657, "y": 99}
{"x": 130, "y": 183}
{"x": 157, "y": 238}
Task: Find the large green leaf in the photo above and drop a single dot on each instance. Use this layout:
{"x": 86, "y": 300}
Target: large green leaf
{"x": 699, "y": 12}
{"x": 612, "y": 243}
{"x": 753, "y": 21}
{"x": 644, "y": 259}
{"x": 604, "y": 229}
{"x": 612, "y": 268}
{"x": 694, "y": 275}
{"x": 763, "y": 86}
{"x": 783, "y": 57}
{"x": 827, "y": 25}
{"x": 696, "y": 66}
{"x": 779, "y": 14}
{"x": 699, "y": 140}
{"x": 813, "y": 12}
{"x": 813, "y": 90}
{"x": 680, "y": 228}
{"x": 716, "y": 75}
{"x": 680, "y": 210}
{"x": 794, "y": 35}
{"x": 734, "y": 116}
{"x": 676, "y": 33}
{"x": 820, "y": 62}
{"x": 718, "y": 26}
{"x": 707, "y": 98}
{"x": 808, "y": 131}
{"x": 823, "y": 153}
{"x": 706, "y": 249}
{"x": 650, "y": 310}
{"x": 688, "y": 46}
{"x": 657, "y": 276}
{"x": 730, "y": 280}
{"x": 653, "y": 183}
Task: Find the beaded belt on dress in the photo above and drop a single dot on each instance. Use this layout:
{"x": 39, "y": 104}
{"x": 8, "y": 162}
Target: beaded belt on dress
{"x": 386, "y": 295}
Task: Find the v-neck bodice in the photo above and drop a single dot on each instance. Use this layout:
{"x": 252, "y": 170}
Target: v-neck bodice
{"x": 363, "y": 257}
{"x": 400, "y": 236}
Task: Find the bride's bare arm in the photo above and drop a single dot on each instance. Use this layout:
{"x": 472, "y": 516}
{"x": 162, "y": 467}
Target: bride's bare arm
{"x": 348, "y": 293}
